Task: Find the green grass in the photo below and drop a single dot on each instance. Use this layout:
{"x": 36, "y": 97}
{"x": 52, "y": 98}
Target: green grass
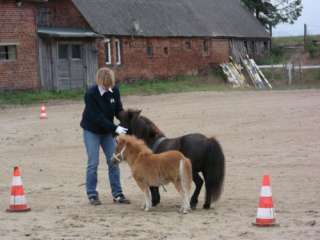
{"x": 304, "y": 80}
{"x": 29, "y": 97}
{"x": 277, "y": 55}
{"x": 212, "y": 82}
{"x": 179, "y": 84}
{"x": 284, "y": 41}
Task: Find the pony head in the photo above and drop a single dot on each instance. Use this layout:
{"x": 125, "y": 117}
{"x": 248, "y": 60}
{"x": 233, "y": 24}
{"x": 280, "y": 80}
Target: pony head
{"x": 139, "y": 126}
{"x": 128, "y": 147}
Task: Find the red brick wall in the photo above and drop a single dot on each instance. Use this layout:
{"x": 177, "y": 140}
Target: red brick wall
{"x": 18, "y": 26}
{"x": 63, "y": 13}
{"x": 179, "y": 60}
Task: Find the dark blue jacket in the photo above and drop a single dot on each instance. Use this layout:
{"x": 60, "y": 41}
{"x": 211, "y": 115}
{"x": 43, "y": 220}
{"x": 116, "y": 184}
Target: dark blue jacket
{"x": 100, "y": 111}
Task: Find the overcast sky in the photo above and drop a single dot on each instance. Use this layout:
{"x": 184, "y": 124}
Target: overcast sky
{"x": 310, "y": 16}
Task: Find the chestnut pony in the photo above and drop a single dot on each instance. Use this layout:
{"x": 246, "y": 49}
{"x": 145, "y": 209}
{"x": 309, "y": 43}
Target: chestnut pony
{"x": 149, "y": 169}
{"x": 205, "y": 153}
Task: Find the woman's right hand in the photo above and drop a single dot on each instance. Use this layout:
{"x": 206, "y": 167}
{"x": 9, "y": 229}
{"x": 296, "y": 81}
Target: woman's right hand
{"x": 121, "y": 130}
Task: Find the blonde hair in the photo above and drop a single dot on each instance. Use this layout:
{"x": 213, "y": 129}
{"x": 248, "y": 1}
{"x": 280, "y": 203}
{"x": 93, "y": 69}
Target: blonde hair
{"x": 105, "y": 77}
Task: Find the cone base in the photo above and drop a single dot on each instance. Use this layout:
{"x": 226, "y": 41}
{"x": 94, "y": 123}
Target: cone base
{"x": 266, "y": 224}
{"x": 18, "y": 210}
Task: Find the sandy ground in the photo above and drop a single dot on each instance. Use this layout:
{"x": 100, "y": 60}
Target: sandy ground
{"x": 275, "y": 133}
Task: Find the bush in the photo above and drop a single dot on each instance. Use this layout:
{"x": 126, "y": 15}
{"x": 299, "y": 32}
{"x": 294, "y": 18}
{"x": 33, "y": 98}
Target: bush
{"x": 313, "y": 49}
{"x": 277, "y": 55}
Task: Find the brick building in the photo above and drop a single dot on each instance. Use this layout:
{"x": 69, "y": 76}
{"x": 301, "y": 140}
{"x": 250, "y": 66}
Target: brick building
{"x": 59, "y": 44}
{"x": 18, "y": 46}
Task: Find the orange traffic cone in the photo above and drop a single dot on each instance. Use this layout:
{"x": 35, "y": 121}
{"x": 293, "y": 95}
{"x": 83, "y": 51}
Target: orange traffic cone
{"x": 265, "y": 212}
{"x": 18, "y": 202}
{"x": 43, "y": 113}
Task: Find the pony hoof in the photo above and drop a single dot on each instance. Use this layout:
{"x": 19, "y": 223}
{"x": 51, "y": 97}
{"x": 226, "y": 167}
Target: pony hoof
{"x": 155, "y": 203}
{"x": 145, "y": 208}
{"x": 206, "y": 206}
{"x": 183, "y": 210}
{"x": 193, "y": 206}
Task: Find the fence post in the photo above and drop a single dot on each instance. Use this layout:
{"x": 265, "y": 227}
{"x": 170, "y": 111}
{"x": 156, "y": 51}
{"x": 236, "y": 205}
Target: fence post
{"x": 300, "y": 72}
{"x": 289, "y": 68}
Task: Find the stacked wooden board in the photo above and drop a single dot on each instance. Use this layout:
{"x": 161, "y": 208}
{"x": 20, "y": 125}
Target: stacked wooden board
{"x": 256, "y": 76}
{"x": 236, "y": 77}
{"x": 233, "y": 72}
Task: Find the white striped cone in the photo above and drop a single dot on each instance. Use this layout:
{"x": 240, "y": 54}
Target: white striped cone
{"x": 18, "y": 202}
{"x": 265, "y": 211}
{"x": 43, "y": 113}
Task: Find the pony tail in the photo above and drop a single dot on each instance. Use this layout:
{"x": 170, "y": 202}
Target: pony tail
{"x": 216, "y": 169}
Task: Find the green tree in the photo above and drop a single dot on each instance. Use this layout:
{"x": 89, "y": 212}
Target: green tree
{"x": 272, "y": 12}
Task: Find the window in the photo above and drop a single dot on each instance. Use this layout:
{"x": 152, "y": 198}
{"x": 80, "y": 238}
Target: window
{"x": 118, "y": 51}
{"x": 43, "y": 18}
{"x": 76, "y": 51}
{"x": 165, "y": 50}
{"x": 206, "y": 46}
{"x": 63, "y": 51}
{"x": 246, "y": 46}
{"x": 107, "y": 51}
{"x": 253, "y": 46}
{"x": 188, "y": 44}
{"x": 8, "y": 53}
{"x": 150, "y": 51}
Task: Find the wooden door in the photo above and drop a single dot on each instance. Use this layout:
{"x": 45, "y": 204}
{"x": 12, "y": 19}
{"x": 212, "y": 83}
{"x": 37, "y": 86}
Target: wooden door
{"x": 70, "y": 66}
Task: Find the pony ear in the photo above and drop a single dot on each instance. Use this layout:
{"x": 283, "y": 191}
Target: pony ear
{"x": 134, "y": 113}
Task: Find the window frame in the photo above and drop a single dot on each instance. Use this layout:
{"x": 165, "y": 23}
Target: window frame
{"x": 80, "y": 49}
{"x": 118, "y": 58}
{"x": 166, "y": 51}
{"x": 67, "y": 48}
{"x": 205, "y": 46}
{"x": 149, "y": 49}
{"x": 107, "y": 46}
{"x": 188, "y": 44}
{"x": 7, "y": 52}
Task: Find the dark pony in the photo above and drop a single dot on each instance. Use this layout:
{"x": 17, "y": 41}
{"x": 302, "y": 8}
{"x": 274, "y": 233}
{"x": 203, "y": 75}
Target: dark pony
{"x": 206, "y": 155}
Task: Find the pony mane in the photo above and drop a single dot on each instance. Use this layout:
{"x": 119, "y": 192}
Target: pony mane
{"x": 151, "y": 125}
{"x": 136, "y": 143}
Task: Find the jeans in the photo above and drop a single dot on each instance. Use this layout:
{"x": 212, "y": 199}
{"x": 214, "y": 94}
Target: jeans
{"x": 92, "y": 143}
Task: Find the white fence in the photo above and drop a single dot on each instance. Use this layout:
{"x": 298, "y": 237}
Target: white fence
{"x": 289, "y": 68}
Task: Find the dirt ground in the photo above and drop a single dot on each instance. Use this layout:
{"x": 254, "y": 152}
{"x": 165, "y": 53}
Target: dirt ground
{"x": 275, "y": 133}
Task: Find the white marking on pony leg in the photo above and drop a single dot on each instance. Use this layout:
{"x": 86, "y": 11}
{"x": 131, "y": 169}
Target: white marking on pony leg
{"x": 147, "y": 196}
{"x": 187, "y": 200}
{"x": 185, "y": 192}
{"x": 182, "y": 190}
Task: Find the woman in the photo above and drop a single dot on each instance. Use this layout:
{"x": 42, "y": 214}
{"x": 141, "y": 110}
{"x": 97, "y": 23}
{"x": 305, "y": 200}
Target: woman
{"x": 102, "y": 104}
